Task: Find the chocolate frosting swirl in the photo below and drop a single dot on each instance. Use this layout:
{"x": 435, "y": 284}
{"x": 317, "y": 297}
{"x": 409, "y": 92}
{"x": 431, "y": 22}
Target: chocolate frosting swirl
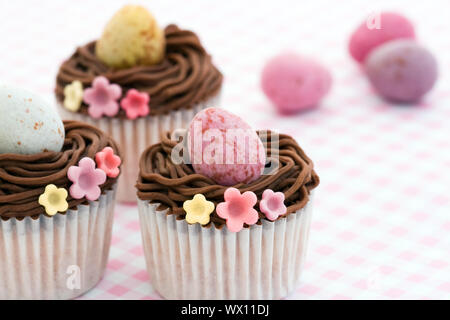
{"x": 183, "y": 79}
{"x": 161, "y": 181}
{"x": 23, "y": 178}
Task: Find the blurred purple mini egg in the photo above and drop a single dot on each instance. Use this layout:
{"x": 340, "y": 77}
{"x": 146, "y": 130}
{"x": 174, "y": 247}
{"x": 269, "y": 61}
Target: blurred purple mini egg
{"x": 294, "y": 82}
{"x": 402, "y": 70}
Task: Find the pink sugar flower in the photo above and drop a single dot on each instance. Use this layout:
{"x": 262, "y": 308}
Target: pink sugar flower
{"x": 86, "y": 180}
{"x": 238, "y": 209}
{"x": 108, "y": 162}
{"x": 135, "y": 104}
{"x": 102, "y": 98}
{"x": 272, "y": 204}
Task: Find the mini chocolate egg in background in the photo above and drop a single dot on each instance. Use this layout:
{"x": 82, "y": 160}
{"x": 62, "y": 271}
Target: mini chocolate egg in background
{"x": 30, "y": 125}
{"x": 402, "y": 70}
{"x": 294, "y": 82}
{"x": 387, "y": 26}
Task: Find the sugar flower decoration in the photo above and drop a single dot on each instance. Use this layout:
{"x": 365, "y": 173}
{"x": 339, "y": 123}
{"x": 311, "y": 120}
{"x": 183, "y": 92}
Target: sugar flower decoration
{"x": 86, "y": 180}
{"x": 73, "y": 96}
{"x": 135, "y": 104}
{"x": 54, "y": 200}
{"x": 272, "y": 204}
{"x": 109, "y": 162}
{"x": 238, "y": 209}
{"x": 198, "y": 210}
{"x": 102, "y": 98}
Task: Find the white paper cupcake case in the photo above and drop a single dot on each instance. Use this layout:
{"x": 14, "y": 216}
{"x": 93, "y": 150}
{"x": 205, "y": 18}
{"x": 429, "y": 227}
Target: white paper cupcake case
{"x": 59, "y": 257}
{"x": 134, "y": 136}
{"x": 192, "y": 262}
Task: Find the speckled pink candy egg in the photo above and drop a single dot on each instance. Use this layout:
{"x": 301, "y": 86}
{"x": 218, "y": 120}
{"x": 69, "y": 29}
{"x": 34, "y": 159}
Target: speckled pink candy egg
{"x": 376, "y": 30}
{"x": 294, "y": 83}
{"x": 402, "y": 70}
{"x": 225, "y": 148}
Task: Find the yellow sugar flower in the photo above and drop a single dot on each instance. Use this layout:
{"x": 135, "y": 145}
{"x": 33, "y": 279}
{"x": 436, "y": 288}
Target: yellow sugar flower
{"x": 198, "y": 209}
{"x": 73, "y": 95}
{"x": 54, "y": 200}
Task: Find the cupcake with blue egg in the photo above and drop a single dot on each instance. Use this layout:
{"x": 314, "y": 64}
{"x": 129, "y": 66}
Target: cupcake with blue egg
{"x": 225, "y": 210}
{"x": 57, "y": 190}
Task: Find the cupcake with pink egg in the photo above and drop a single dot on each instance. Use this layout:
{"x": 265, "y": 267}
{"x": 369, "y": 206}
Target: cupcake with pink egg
{"x": 58, "y": 183}
{"x": 136, "y": 81}
{"x": 225, "y": 210}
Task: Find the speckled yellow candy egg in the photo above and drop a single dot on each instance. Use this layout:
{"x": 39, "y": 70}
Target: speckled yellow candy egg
{"x": 132, "y": 37}
{"x": 29, "y": 125}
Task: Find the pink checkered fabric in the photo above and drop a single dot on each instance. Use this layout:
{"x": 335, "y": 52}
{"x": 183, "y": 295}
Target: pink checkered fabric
{"x": 381, "y": 223}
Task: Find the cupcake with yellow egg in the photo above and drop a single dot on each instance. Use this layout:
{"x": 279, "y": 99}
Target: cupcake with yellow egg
{"x": 136, "y": 81}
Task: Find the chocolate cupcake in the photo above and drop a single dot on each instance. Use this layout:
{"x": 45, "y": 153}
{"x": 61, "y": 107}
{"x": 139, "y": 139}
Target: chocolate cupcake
{"x": 137, "y": 81}
{"x": 56, "y": 201}
{"x": 225, "y": 231}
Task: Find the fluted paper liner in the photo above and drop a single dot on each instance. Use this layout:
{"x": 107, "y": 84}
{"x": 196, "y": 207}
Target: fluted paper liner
{"x": 193, "y": 262}
{"x": 134, "y": 136}
{"x": 58, "y": 257}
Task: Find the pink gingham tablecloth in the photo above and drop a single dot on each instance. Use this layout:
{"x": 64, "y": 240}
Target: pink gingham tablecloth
{"x": 382, "y": 212}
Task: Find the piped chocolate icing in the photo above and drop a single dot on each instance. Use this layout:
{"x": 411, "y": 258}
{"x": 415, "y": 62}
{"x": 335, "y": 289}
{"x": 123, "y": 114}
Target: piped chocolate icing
{"x": 183, "y": 79}
{"x": 161, "y": 181}
{"x": 23, "y": 178}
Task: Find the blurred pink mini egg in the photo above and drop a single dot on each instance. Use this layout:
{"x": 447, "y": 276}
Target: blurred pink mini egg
{"x": 294, "y": 82}
{"x": 225, "y": 148}
{"x": 376, "y": 30}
